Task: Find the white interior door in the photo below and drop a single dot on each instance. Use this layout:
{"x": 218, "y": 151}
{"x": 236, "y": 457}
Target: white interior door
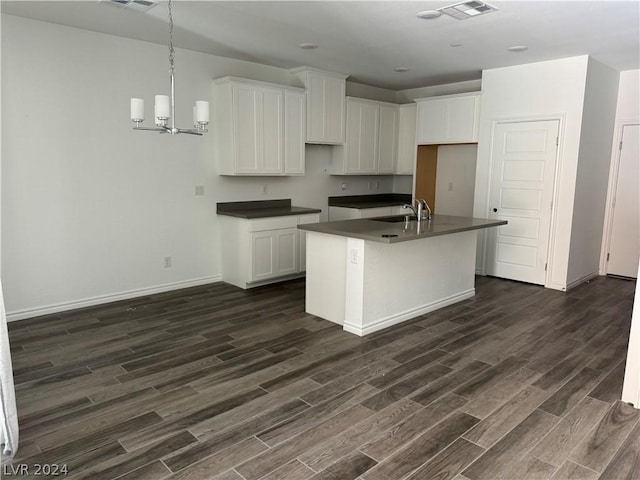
{"x": 624, "y": 240}
{"x": 521, "y": 192}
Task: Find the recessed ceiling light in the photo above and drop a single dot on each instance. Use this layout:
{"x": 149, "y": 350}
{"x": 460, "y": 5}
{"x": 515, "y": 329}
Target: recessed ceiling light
{"x": 518, "y": 48}
{"x": 401, "y": 69}
{"x": 308, "y": 46}
{"x": 428, "y": 14}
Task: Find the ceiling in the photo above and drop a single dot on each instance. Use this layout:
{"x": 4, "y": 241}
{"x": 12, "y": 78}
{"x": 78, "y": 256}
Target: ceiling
{"x": 369, "y": 39}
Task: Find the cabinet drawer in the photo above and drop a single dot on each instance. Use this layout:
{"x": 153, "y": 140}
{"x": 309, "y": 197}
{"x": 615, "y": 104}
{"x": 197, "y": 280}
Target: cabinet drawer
{"x": 309, "y": 218}
{"x": 375, "y": 212}
{"x": 272, "y": 223}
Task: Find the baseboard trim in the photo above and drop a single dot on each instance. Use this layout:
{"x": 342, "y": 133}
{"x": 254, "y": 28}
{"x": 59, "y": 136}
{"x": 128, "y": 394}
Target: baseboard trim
{"x": 582, "y": 280}
{"x": 408, "y": 314}
{"x": 112, "y": 297}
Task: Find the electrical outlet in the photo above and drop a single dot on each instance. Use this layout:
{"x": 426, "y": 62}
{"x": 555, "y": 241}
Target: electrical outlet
{"x": 199, "y": 190}
{"x": 354, "y": 256}
{"x": 167, "y": 262}
{"x": 265, "y": 189}
{"x": 377, "y": 184}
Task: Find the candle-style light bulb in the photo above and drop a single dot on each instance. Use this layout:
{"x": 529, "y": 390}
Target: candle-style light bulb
{"x": 202, "y": 112}
{"x": 162, "y": 107}
{"x": 137, "y": 110}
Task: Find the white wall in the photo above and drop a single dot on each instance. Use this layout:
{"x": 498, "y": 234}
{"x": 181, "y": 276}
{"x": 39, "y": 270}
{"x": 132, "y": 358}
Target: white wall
{"x": 455, "y": 179}
{"x": 593, "y": 169}
{"x": 627, "y": 112}
{"x": 90, "y": 207}
{"x": 553, "y": 89}
{"x": 628, "y": 106}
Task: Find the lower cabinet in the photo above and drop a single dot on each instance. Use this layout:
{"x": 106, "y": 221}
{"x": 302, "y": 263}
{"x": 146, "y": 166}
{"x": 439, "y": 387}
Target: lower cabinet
{"x": 260, "y": 251}
{"x": 344, "y": 213}
{"x": 274, "y": 254}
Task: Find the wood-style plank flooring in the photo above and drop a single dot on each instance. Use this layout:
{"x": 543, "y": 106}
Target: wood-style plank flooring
{"x": 218, "y": 383}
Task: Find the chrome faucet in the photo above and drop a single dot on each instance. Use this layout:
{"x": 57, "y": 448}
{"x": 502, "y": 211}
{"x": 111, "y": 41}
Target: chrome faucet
{"x": 419, "y": 211}
{"x": 408, "y": 205}
{"x": 422, "y": 206}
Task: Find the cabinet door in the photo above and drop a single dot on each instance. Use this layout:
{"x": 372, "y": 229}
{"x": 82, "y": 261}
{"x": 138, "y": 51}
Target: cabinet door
{"x": 274, "y": 253}
{"x": 361, "y": 143}
{"x": 375, "y": 212}
{"x": 315, "y": 109}
{"x": 388, "y": 140}
{"x": 431, "y": 121}
{"x": 407, "y": 146}
{"x": 294, "y": 132}
{"x": 461, "y": 119}
{"x": 247, "y": 133}
{"x": 325, "y": 108}
{"x": 263, "y": 252}
{"x": 287, "y": 251}
{"x": 271, "y": 133}
{"x": 335, "y": 110}
{"x": 449, "y": 120}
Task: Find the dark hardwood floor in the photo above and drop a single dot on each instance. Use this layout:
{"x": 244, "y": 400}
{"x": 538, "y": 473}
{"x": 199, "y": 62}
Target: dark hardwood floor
{"x": 218, "y": 383}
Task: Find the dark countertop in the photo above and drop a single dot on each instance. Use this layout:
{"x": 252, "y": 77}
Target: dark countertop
{"x": 372, "y": 229}
{"x": 370, "y": 201}
{"x": 262, "y": 209}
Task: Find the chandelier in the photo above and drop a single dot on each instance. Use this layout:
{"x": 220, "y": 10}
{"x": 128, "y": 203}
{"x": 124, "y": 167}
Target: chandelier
{"x": 165, "y": 105}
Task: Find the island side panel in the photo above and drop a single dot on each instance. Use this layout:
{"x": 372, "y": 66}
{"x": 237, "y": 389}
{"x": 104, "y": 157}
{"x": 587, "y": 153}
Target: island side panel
{"x": 326, "y": 276}
{"x": 403, "y": 280}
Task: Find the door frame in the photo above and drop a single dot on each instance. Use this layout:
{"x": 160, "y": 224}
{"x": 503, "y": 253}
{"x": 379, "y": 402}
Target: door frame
{"x": 561, "y": 119}
{"x": 614, "y": 168}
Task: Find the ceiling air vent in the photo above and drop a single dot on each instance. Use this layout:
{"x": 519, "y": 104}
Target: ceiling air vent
{"x": 139, "y": 5}
{"x": 464, "y": 10}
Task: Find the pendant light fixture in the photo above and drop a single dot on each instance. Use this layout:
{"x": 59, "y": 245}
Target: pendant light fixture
{"x": 165, "y": 105}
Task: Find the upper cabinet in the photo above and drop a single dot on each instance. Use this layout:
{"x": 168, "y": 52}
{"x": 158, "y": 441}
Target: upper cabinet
{"x": 325, "y": 103}
{"x": 388, "y": 138}
{"x": 407, "y": 146}
{"x": 259, "y": 128}
{"x": 294, "y": 121}
{"x": 371, "y": 143}
{"x": 448, "y": 119}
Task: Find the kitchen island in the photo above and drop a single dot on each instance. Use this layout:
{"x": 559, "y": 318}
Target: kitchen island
{"x": 370, "y": 274}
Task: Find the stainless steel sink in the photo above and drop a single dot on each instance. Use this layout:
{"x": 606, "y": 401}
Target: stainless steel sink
{"x": 392, "y": 219}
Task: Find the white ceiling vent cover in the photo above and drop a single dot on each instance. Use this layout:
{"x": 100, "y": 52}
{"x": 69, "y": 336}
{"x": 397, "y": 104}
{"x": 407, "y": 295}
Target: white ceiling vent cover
{"x": 464, "y": 10}
{"x": 139, "y": 5}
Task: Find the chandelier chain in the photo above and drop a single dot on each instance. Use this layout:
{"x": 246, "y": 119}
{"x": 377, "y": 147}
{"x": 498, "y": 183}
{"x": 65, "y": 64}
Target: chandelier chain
{"x": 172, "y": 53}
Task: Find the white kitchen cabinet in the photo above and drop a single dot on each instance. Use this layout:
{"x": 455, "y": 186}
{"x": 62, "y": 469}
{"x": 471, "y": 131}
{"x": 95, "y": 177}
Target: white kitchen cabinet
{"x": 448, "y": 119}
{"x": 407, "y": 146}
{"x": 388, "y": 138}
{"x": 258, "y": 128}
{"x": 371, "y": 141}
{"x": 325, "y": 105}
{"x": 274, "y": 253}
{"x": 264, "y": 250}
{"x": 294, "y": 135}
{"x": 361, "y": 143}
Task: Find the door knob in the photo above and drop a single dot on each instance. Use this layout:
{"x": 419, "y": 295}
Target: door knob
{"x": 495, "y": 210}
